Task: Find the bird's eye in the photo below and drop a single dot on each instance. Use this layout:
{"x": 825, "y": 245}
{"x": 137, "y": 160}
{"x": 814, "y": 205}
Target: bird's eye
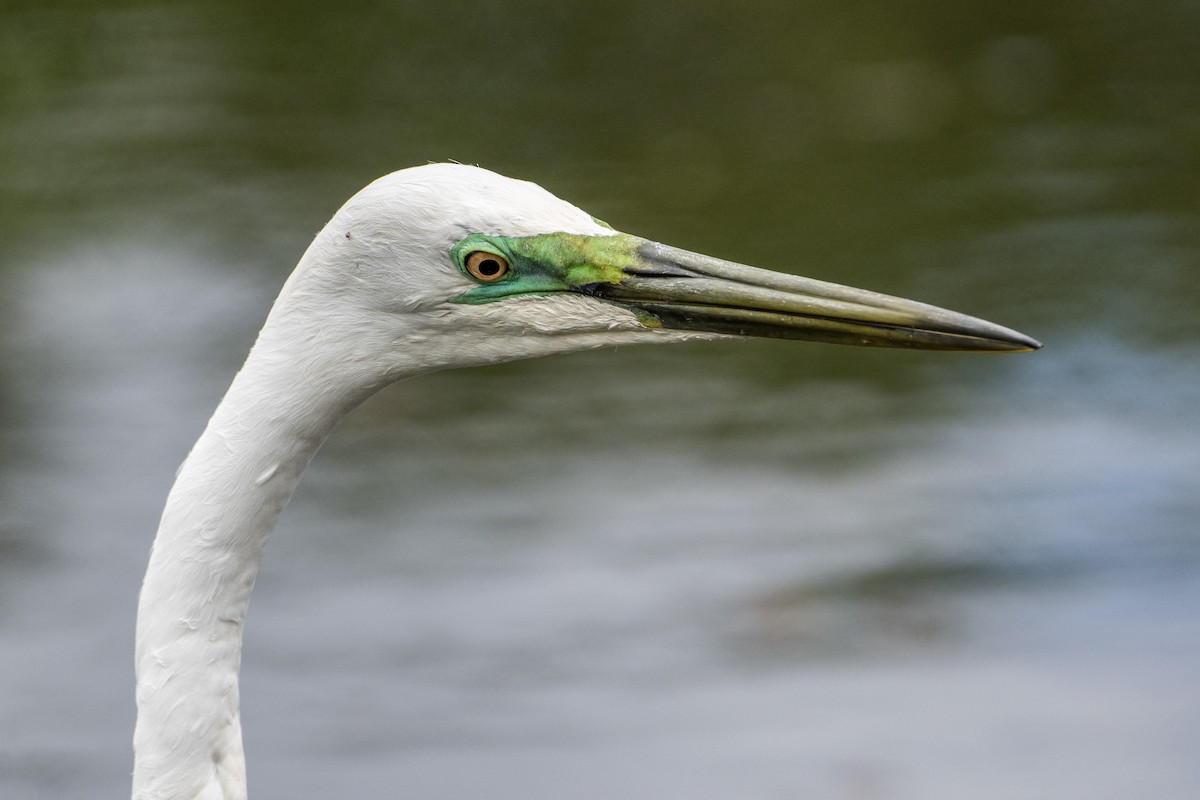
{"x": 486, "y": 266}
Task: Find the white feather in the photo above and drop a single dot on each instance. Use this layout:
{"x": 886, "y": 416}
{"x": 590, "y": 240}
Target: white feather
{"x": 368, "y": 304}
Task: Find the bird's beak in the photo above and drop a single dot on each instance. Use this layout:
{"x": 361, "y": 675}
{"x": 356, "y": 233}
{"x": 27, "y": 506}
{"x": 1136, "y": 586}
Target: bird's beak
{"x": 680, "y": 290}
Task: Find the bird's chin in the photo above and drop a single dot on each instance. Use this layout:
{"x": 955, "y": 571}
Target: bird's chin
{"x": 535, "y": 325}
{"x": 562, "y": 314}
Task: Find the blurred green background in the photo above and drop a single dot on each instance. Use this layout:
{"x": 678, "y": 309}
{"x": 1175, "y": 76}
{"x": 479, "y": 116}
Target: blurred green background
{"x": 750, "y": 569}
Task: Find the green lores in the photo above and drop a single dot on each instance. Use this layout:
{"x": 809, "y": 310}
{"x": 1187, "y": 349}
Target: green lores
{"x": 547, "y": 264}
{"x": 665, "y": 287}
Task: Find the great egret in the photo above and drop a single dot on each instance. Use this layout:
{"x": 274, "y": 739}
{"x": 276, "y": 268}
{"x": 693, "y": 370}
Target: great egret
{"x": 428, "y": 268}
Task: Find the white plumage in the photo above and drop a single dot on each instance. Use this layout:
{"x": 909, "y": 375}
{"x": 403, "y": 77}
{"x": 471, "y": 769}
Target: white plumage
{"x": 378, "y": 297}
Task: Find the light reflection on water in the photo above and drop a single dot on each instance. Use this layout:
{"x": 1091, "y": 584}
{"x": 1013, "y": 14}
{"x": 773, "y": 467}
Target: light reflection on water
{"x": 721, "y": 570}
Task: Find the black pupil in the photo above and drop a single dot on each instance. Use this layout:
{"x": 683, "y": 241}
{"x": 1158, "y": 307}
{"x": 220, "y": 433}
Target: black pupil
{"x": 488, "y": 267}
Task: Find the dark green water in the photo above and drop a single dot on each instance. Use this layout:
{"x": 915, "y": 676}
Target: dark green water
{"x": 751, "y": 569}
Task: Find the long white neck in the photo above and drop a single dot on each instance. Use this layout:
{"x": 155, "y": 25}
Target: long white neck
{"x": 369, "y": 303}
{"x": 226, "y": 498}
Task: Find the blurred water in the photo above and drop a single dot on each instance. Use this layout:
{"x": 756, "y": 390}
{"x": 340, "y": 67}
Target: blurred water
{"x": 739, "y": 570}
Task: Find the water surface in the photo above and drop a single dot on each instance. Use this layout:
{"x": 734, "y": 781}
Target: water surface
{"x": 751, "y": 569}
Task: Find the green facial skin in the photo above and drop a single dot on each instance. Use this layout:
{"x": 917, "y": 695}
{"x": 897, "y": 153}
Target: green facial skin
{"x": 665, "y": 287}
{"x": 547, "y": 264}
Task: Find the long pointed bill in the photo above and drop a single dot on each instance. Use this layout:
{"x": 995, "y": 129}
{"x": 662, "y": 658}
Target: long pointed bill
{"x": 688, "y": 291}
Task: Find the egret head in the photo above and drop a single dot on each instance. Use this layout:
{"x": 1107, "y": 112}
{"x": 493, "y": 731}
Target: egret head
{"x": 450, "y": 265}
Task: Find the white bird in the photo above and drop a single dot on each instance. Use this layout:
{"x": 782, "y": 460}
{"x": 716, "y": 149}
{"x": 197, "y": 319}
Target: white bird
{"x": 428, "y": 268}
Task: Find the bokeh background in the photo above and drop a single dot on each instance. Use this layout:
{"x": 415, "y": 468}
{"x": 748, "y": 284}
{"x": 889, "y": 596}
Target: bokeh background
{"x": 737, "y": 570}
